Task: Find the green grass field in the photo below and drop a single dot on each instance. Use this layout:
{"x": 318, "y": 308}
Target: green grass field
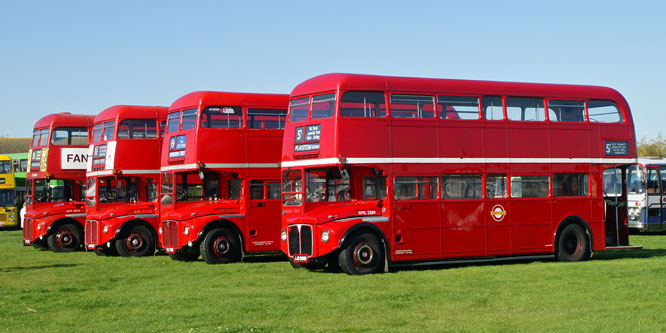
{"x": 41, "y": 290}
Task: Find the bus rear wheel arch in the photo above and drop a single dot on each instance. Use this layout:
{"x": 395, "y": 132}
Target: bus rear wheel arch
{"x": 573, "y": 244}
{"x": 221, "y": 246}
{"x": 362, "y": 254}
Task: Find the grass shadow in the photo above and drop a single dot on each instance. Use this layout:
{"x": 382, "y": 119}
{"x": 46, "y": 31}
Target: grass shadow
{"x": 629, "y": 254}
{"x": 268, "y": 257}
{"x": 32, "y": 268}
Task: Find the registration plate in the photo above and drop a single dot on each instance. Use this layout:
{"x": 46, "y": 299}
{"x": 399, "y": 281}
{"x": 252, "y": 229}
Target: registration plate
{"x": 300, "y": 258}
{"x": 170, "y": 250}
{"x": 91, "y": 246}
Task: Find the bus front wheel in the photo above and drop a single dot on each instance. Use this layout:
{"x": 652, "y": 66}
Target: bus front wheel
{"x": 362, "y": 255}
{"x": 66, "y": 238}
{"x": 138, "y": 242}
{"x": 220, "y": 246}
{"x": 573, "y": 244}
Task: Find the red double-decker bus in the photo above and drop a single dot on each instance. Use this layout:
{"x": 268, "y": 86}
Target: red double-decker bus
{"x": 388, "y": 171}
{"x": 55, "y": 182}
{"x": 220, "y": 184}
{"x": 122, "y": 213}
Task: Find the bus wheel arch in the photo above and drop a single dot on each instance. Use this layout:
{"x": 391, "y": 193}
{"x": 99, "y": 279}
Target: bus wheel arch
{"x": 221, "y": 242}
{"x": 65, "y": 235}
{"x": 363, "y": 250}
{"x": 573, "y": 240}
{"x": 135, "y": 238}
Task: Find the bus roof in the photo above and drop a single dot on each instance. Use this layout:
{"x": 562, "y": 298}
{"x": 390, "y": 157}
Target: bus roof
{"x": 342, "y": 81}
{"x": 132, "y": 112}
{"x": 65, "y": 119}
{"x": 650, "y": 160}
{"x": 194, "y": 99}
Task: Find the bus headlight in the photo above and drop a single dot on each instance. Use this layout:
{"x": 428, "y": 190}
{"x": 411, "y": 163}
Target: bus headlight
{"x": 105, "y": 229}
{"x": 187, "y": 231}
{"x": 325, "y": 236}
{"x": 283, "y": 235}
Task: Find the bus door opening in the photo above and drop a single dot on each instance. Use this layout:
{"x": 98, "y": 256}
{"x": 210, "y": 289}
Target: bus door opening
{"x": 615, "y": 206}
{"x": 655, "y": 198}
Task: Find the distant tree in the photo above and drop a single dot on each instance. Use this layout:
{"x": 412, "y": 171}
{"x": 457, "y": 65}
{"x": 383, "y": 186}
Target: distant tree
{"x": 655, "y": 147}
{"x": 14, "y": 145}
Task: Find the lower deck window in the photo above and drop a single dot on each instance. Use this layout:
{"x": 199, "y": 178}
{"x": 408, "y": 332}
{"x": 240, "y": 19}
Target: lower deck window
{"x": 461, "y": 187}
{"x": 570, "y": 185}
{"x": 264, "y": 189}
{"x": 529, "y": 186}
{"x": 415, "y": 188}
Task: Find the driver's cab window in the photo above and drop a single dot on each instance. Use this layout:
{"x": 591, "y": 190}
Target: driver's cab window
{"x": 374, "y": 188}
{"x": 653, "y": 182}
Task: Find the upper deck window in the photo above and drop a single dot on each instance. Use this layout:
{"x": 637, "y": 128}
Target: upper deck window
{"x": 97, "y": 133}
{"x": 35, "y": 137}
{"x": 189, "y": 119}
{"x": 6, "y": 167}
{"x": 363, "y": 104}
{"x": 565, "y": 110}
{"x": 604, "y": 112}
{"x": 458, "y": 107}
{"x": 412, "y": 106}
{"x": 43, "y": 136}
{"x": 299, "y": 109}
{"x": 492, "y": 108}
{"x": 266, "y": 118}
{"x": 525, "y": 109}
{"x": 323, "y": 106}
{"x": 137, "y": 129}
{"x": 70, "y": 136}
{"x": 174, "y": 122}
{"x": 109, "y": 129}
{"x": 162, "y": 127}
{"x": 221, "y": 117}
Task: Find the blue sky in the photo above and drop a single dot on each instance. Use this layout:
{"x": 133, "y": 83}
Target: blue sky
{"x": 84, "y": 56}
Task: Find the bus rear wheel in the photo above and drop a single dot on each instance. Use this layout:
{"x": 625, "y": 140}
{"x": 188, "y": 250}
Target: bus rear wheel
{"x": 362, "y": 255}
{"x": 573, "y": 244}
{"x": 138, "y": 242}
{"x": 66, "y": 238}
{"x": 220, "y": 246}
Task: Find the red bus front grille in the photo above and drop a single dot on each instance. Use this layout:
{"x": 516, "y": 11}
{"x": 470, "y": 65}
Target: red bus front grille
{"x": 170, "y": 232}
{"x": 92, "y": 232}
{"x": 27, "y": 229}
{"x": 300, "y": 240}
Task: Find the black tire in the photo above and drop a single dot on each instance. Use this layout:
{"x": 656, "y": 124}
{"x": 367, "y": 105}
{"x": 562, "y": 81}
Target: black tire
{"x": 308, "y": 265}
{"x": 185, "y": 255}
{"x": 220, "y": 246}
{"x": 573, "y": 244}
{"x": 138, "y": 242}
{"x": 66, "y": 238}
{"x": 362, "y": 255}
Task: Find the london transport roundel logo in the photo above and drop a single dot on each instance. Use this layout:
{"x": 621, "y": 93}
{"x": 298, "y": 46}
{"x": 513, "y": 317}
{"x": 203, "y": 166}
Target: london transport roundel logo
{"x": 498, "y": 213}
